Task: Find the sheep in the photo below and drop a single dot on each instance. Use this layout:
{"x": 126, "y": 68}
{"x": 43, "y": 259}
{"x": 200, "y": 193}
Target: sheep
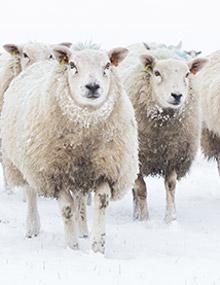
{"x": 20, "y": 57}
{"x": 168, "y": 116}
{"x": 17, "y": 59}
{"x": 208, "y": 85}
{"x": 69, "y": 128}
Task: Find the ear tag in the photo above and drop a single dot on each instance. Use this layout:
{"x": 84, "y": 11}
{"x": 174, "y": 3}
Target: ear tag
{"x": 146, "y": 68}
{"x": 62, "y": 62}
{"x": 13, "y": 53}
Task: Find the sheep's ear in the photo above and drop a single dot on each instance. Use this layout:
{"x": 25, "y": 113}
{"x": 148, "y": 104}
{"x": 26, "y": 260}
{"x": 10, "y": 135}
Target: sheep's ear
{"x": 148, "y": 61}
{"x": 66, "y": 44}
{"x": 62, "y": 54}
{"x": 179, "y": 45}
{"x": 197, "y": 64}
{"x": 198, "y": 52}
{"x": 117, "y": 55}
{"x": 12, "y": 49}
{"x": 146, "y": 46}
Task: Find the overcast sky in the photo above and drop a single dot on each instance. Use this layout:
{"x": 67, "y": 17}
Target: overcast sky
{"x": 113, "y": 22}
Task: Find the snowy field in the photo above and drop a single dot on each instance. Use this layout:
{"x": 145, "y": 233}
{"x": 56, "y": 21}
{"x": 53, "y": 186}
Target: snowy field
{"x": 186, "y": 252}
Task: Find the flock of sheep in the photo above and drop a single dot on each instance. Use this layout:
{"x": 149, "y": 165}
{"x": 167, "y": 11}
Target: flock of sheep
{"x": 77, "y": 119}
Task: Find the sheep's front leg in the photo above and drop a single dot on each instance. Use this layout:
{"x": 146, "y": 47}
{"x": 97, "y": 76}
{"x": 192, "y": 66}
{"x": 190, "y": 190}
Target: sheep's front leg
{"x": 68, "y": 211}
{"x": 140, "y": 199}
{"x": 101, "y": 201}
{"x": 218, "y": 164}
{"x": 83, "y": 228}
{"x": 89, "y": 200}
{"x": 33, "y": 219}
{"x": 170, "y": 185}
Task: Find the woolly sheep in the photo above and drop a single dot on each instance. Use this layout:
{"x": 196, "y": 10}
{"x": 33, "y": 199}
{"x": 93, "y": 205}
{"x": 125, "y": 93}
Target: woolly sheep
{"x": 159, "y": 51}
{"x": 17, "y": 59}
{"x": 208, "y": 84}
{"x": 168, "y": 117}
{"x": 20, "y": 57}
{"x": 80, "y": 136}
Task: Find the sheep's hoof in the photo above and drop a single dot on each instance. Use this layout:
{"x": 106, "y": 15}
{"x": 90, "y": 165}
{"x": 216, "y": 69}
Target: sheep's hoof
{"x": 32, "y": 233}
{"x": 84, "y": 235}
{"x": 73, "y": 245}
{"x": 32, "y": 228}
{"x": 170, "y": 216}
{"x": 99, "y": 245}
{"x": 140, "y": 211}
{"x": 140, "y": 217}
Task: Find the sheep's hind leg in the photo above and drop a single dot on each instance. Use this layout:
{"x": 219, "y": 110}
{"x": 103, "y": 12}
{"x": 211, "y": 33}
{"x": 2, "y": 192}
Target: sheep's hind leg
{"x": 68, "y": 211}
{"x": 170, "y": 185}
{"x": 83, "y": 228}
{"x": 33, "y": 219}
{"x": 140, "y": 211}
{"x": 101, "y": 201}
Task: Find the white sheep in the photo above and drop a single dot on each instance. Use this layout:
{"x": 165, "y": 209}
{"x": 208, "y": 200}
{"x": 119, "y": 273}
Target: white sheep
{"x": 69, "y": 128}
{"x": 168, "y": 117}
{"x": 208, "y": 84}
{"x": 17, "y": 59}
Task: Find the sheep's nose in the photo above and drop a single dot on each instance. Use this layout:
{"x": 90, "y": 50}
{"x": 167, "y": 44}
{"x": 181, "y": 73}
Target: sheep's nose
{"x": 177, "y": 97}
{"x": 93, "y": 88}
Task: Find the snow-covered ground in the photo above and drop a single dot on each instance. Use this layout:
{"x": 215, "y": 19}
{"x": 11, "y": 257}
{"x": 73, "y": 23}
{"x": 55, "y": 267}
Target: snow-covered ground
{"x": 149, "y": 253}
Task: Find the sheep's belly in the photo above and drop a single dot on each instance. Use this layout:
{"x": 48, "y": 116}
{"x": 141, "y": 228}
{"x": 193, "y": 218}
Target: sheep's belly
{"x": 161, "y": 157}
{"x": 80, "y": 176}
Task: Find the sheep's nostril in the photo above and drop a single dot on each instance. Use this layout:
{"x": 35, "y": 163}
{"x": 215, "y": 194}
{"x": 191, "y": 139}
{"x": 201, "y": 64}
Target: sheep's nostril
{"x": 177, "y": 97}
{"x": 92, "y": 87}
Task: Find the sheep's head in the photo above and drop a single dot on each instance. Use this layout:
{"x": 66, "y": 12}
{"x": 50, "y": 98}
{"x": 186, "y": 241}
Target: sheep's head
{"x": 29, "y": 53}
{"x": 89, "y": 73}
{"x": 170, "y": 79}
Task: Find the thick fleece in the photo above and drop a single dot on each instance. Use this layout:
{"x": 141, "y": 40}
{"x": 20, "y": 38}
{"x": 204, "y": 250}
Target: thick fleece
{"x": 54, "y": 145}
{"x": 169, "y": 138}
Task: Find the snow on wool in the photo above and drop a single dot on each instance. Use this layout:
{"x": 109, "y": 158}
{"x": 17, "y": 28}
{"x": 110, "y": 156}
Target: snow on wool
{"x": 79, "y": 134}
{"x": 168, "y": 116}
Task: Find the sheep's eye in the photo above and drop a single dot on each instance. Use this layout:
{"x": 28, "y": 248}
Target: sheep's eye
{"x": 108, "y": 65}
{"x": 51, "y": 56}
{"x": 187, "y": 74}
{"x": 72, "y": 66}
{"x": 157, "y": 73}
{"x": 25, "y": 55}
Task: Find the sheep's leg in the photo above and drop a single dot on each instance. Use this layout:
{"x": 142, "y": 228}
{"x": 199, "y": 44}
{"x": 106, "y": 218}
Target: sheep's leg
{"x": 140, "y": 199}
{"x": 33, "y": 219}
{"x": 24, "y": 197}
{"x": 68, "y": 211}
{"x": 89, "y": 200}
{"x": 7, "y": 189}
{"x": 83, "y": 228}
{"x": 218, "y": 163}
{"x": 170, "y": 185}
{"x": 101, "y": 201}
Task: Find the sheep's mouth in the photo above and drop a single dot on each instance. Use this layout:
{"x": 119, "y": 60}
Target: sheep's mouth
{"x": 175, "y": 103}
{"x": 93, "y": 96}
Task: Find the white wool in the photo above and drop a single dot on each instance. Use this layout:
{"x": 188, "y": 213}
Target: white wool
{"x": 208, "y": 86}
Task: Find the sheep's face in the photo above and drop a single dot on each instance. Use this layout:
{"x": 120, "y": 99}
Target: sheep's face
{"x": 170, "y": 83}
{"x": 29, "y": 53}
{"x": 170, "y": 80}
{"x": 34, "y": 52}
{"x": 90, "y": 74}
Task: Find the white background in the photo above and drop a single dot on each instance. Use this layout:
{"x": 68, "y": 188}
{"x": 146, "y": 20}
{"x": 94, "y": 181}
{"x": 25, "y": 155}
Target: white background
{"x": 149, "y": 253}
{"x": 112, "y": 23}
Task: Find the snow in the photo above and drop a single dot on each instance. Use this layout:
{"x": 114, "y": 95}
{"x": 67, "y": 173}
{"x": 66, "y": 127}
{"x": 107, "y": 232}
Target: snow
{"x": 186, "y": 252}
